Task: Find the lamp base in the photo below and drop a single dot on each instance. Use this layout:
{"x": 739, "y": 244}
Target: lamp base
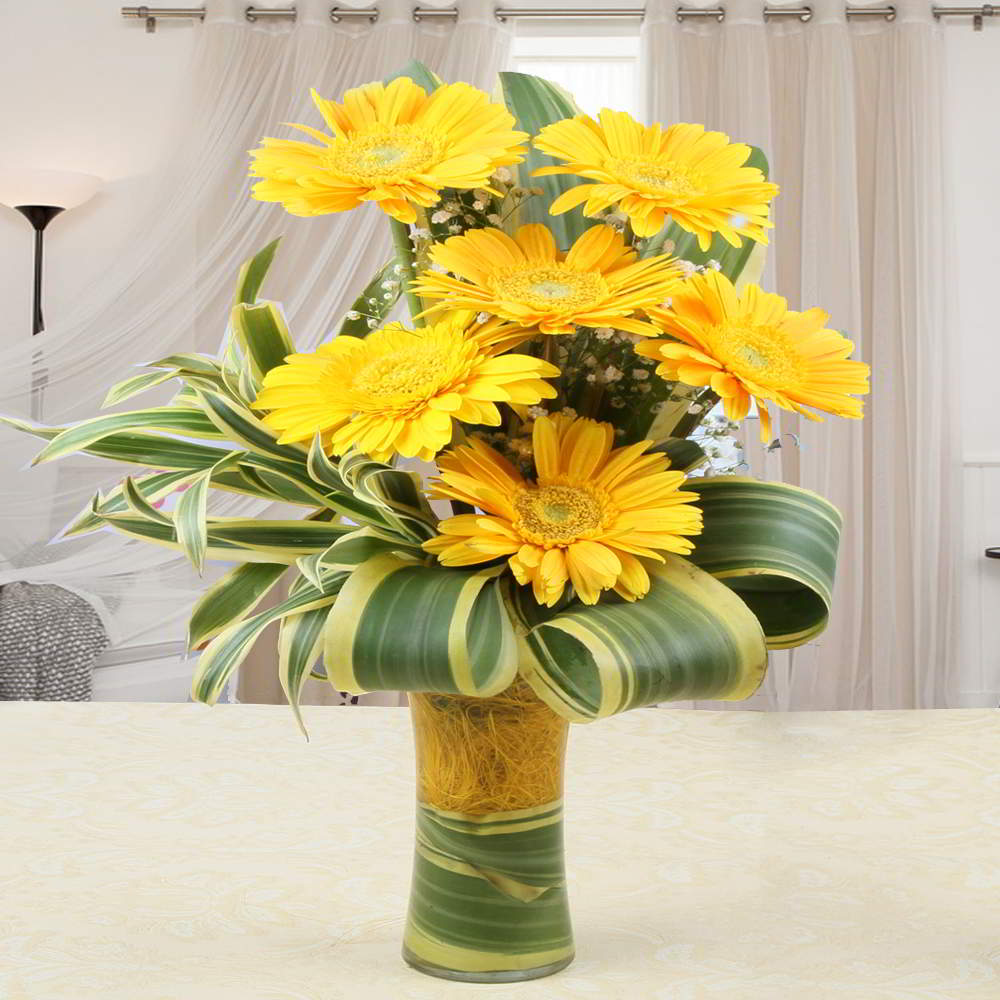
{"x": 39, "y": 216}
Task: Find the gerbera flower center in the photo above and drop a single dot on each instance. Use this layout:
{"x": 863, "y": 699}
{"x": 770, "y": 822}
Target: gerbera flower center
{"x": 558, "y": 515}
{"x": 550, "y": 288}
{"x": 402, "y": 377}
{"x": 757, "y": 352}
{"x": 385, "y": 154}
{"x": 662, "y": 176}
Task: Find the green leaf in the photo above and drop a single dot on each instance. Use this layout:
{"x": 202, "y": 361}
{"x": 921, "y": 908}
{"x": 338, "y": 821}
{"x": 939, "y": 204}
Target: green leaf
{"x": 402, "y": 626}
{"x": 350, "y": 551}
{"x": 190, "y": 517}
{"x": 230, "y": 647}
{"x": 684, "y": 454}
{"x": 689, "y": 637}
{"x": 152, "y": 488}
{"x": 252, "y": 274}
{"x": 300, "y": 645}
{"x": 139, "y": 505}
{"x": 140, "y": 448}
{"x": 240, "y": 425}
{"x": 189, "y": 422}
{"x": 776, "y": 546}
{"x": 132, "y": 386}
{"x": 322, "y": 469}
{"x": 385, "y": 301}
{"x": 535, "y": 103}
{"x": 419, "y": 74}
{"x": 507, "y": 870}
{"x": 395, "y": 492}
{"x": 194, "y": 363}
{"x": 263, "y": 334}
{"x": 231, "y": 598}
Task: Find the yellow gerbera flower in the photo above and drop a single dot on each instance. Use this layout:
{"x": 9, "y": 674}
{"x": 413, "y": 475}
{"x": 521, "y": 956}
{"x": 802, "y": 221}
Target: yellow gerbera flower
{"x": 392, "y": 144}
{"x": 752, "y": 344}
{"x": 400, "y": 390}
{"x": 527, "y": 281}
{"x": 698, "y": 178}
{"x": 589, "y": 515}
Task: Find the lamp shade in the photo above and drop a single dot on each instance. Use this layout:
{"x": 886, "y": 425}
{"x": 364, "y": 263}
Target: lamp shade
{"x": 58, "y": 188}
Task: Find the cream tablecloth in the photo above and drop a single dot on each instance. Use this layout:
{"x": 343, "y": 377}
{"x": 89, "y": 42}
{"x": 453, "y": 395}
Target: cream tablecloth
{"x": 175, "y": 852}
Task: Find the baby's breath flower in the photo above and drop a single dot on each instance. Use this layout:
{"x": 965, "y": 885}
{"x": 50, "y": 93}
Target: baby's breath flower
{"x": 441, "y": 215}
{"x": 354, "y": 314}
{"x": 494, "y": 219}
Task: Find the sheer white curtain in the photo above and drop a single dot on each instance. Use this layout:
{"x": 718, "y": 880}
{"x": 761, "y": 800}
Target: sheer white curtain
{"x": 169, "y": 291}
{"x": 851, "y": 118}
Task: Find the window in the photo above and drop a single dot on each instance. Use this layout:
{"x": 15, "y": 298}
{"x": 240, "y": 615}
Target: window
{"x": 599, "y": 71}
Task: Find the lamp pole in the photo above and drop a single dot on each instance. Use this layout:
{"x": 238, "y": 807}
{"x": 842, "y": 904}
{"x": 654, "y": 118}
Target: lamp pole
{"x": 39, "y": 216}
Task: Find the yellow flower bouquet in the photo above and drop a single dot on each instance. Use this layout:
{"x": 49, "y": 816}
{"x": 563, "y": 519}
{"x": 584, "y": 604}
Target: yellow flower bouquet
{"x": 576, "y": 308}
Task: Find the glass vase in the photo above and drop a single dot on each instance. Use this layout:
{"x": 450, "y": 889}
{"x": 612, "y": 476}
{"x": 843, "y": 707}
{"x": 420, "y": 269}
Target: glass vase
{"x": 488, "y": 902}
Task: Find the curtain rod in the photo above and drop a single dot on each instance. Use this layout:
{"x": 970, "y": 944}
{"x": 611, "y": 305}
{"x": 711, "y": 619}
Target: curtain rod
{"x": 804, "y": 13}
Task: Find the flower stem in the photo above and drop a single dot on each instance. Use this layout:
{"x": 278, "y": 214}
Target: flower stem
{"x": 690, "y": 421}
{"x": 406, "y": 258}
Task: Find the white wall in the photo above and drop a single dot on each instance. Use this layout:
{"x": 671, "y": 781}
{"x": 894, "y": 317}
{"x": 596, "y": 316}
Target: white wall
{"x": 80, "y": 89}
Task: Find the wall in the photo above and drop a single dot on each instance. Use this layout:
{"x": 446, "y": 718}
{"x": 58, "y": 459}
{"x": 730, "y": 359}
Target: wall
{"x": 974, "y": 148}
{"x": 81, "y": 88}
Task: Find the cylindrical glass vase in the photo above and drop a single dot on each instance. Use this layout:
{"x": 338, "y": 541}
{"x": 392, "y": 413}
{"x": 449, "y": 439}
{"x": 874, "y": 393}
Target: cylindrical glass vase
{"x": 488, "y": 902}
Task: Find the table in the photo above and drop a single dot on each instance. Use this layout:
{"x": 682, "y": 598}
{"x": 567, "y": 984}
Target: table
{"x": 177, "y": 852}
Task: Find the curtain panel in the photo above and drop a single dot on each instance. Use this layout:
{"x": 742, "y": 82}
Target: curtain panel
{"x": 850, "y": 117}
{"x": 170, "y": 290}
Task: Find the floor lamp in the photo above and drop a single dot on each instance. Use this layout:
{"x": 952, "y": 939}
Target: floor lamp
{"x": 40, "y": 195}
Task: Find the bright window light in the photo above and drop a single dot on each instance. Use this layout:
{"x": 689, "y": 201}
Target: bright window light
{"x": 600, "y": 72}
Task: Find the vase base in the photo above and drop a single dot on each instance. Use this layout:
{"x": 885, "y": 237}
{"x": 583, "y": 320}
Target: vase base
{"x": 498, "y": 976}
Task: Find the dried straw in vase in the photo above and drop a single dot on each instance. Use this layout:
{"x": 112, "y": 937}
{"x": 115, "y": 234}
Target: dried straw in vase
{"x": 486, "y": 755}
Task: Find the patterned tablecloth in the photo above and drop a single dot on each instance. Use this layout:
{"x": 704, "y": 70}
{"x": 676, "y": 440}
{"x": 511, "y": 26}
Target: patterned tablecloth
{"x": 175, "y": 852}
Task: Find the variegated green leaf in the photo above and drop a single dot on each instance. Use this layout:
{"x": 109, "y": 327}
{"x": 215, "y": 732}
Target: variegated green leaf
{"x": 359, "y": 546}
{"x": 396, "y": 493}
{"x": 300, "y": 645}
{"x": 134, "y": 385}
{"x": 684, "y": 454}
{"x": 263, "y": 335}
{"x": 193, "y": 363}
{"x": 535, "y": 103}
{"x": 240, "y": 425}
{"x": 374, "y": 304}
{"x": 231, "y": 598}
{"x": 322, "y": 469}
{"x": 253, "y": 272}
{"x": 79, "y": 437}
{"x": 153, "y": 487}
{"x": 776, "y": 546}
{"x": 689, "y": 637}
{"x": 137, "y": 503}
{"x": 190, "y": 517}
{"x": 230, "y": 647}
{"x": 403, "y": 626}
